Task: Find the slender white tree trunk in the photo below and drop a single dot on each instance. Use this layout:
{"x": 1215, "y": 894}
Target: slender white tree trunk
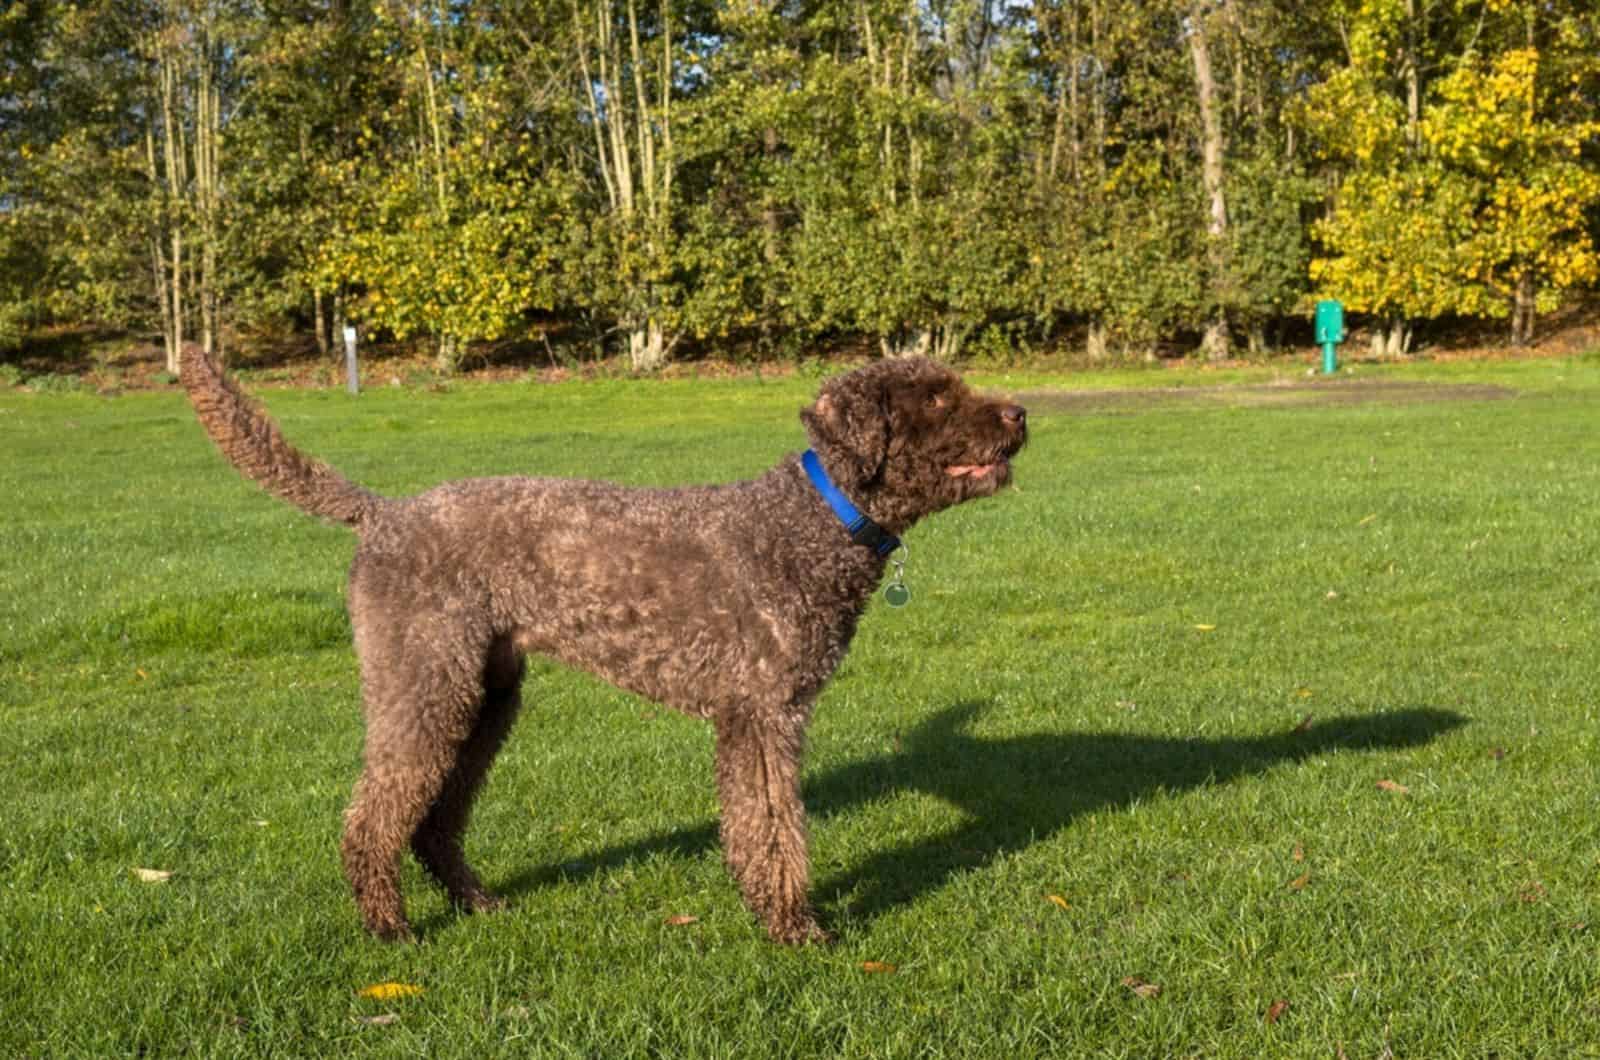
{"x": 1391, "y": 338}
{"x": 1097, "y": 344}
{"x": 207, "y": 176}
{"x": 1215, "y": 343}
{"x": 173, "y": 155}
{"x": 647, "y": 347}
{"x": 629, "y": 96}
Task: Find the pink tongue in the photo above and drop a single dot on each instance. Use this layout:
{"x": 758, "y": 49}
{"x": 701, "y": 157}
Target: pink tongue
{"x": 958, "y": 470}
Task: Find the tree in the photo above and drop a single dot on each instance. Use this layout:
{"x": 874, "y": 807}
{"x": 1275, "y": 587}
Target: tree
{"x": 446, "y": 224}
{"x": 1492, "y": 128}
{"x": 905, "y": 172}
{"x": 628, "y": 89}
{"x": 1466, "y": 194}
{"x": 1214, "y": 344}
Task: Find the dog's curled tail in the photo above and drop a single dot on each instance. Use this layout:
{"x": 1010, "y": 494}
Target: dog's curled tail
{"x": 253, "y": 444}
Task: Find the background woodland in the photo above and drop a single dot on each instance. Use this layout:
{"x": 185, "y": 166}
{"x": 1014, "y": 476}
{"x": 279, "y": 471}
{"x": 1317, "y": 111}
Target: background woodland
{"x": 655, "y": 179}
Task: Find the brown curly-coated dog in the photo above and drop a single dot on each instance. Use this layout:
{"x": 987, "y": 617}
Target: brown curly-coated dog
{"x": 733, "y": 603}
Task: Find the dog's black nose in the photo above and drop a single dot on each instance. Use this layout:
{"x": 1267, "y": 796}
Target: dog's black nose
{"x": 1014, "y": 415}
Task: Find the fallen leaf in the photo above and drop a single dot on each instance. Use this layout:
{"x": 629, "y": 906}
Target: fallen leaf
{"x": 1368, "y": 519}
{"x": 1058, "y": 900}
{"x": 1303, "y": 727}
{"x": 1300, "y": 881}
{"x": 1389, "y": 785}
{"x": 1205, "y": 627}
{"x": 1141, "y": 988}
{"x": 140, "y": 672}
{"x": 1333, "y": 594}
{"x": 1303, "y": 693}
{"x": 1299, "y": 852}
{"x": 876, "y": 966}
{"x": 383, "y": 1020}
{"x": 1276, "y": 1009}
{"x": 680, "y": 920}
{"x": 1497, "y": 753}
{"x": 153, "y": 875}
{"x": 389, "y": 991}
{"x": 1533, "y": 892}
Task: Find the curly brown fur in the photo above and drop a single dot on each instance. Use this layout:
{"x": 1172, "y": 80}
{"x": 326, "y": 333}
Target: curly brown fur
{"x": 733, "y": 603}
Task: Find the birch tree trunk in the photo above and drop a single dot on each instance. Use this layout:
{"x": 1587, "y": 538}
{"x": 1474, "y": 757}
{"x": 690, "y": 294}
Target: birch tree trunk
{"x": 629, "y": 98}
{"x": 171, "y": 289}
{"x": 170, "y": 339}
{"x": 183, "y": 161}
{"x": 1391, "y": 338}
{"x": 1214, "y": 344}
{"x": 207, "y": 174}
{"x": 891, "y": 58}
{"x": 431, "y": 151}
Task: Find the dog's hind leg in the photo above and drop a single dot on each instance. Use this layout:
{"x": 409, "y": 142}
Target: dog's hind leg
{"x": 764, "y": 822}
{"x": 437, "y": 842}
{"x": 419, "y": 717}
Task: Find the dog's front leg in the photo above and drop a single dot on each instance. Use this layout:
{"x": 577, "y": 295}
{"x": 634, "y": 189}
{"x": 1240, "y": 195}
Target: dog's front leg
{"x": 764, "y": 822}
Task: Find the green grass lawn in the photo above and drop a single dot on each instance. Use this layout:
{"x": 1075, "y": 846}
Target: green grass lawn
{"x": 1068, "y": 802}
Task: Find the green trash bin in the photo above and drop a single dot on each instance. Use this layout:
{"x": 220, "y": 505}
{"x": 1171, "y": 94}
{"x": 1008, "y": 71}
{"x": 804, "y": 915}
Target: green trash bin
{"x": 1330, "y": 332}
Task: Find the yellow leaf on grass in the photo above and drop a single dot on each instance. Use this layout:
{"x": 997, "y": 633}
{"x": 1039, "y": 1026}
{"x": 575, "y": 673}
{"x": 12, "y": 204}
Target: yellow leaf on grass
{"x": 1389, "y": 785}
{"x": 153, "y": 875}
{"x": 680, "y": 920}
{"x": 1204, "y": 627}
{"x": 1276, "y": 1009}
{"x": 1058, "y": 900}
{"x": 1141, "y": 988}
{"x": 389, "y": 991}
{"x": 1300, "y": 881}
{"x": 877, "y": 966}
{"x": 1299, "y": 852}
{"x": 1368, "y": 519}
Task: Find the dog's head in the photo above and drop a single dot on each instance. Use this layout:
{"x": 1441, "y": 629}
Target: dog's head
{"x": 906, "y": 437}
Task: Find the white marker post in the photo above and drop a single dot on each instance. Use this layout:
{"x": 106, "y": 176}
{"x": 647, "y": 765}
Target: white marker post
{"x": 351, "y": 378}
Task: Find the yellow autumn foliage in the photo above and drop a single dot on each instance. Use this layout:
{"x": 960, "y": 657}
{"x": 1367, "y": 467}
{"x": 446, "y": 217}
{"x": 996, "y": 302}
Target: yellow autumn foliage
{"x": 1491, "y": 197}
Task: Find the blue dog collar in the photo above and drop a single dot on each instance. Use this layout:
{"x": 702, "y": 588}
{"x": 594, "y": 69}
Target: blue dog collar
{"x": 863, "y": 531}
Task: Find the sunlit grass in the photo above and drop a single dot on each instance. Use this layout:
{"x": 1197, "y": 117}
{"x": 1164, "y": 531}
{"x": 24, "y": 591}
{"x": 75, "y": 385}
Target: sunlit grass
{"x": 1100, "y": 693}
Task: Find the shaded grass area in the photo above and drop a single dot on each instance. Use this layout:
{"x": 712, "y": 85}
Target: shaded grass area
{"x": 1100, "y": 693}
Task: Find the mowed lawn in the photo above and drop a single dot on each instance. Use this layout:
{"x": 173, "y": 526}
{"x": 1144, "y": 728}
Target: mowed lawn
{"x": 1253, "y": 722}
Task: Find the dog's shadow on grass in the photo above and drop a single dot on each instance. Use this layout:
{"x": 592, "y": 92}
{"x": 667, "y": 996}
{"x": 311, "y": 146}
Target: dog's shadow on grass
{"x": 1015, "y": 791}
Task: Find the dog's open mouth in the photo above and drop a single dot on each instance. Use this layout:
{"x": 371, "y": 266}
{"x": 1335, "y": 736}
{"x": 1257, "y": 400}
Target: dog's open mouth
{"x": 977, "y": 471}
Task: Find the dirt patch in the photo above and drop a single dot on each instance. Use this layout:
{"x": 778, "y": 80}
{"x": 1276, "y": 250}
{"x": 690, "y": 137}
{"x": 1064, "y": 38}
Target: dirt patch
{"x": 1263, "y": 395}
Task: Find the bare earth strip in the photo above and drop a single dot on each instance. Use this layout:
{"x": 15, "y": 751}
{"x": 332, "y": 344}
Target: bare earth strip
{"x": 1268, "y": 395}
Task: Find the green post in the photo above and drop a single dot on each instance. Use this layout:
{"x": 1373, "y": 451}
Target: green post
{"x": 1330, "y": 332}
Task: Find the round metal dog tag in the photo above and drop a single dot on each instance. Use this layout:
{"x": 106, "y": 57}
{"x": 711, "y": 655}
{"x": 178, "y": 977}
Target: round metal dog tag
{"x": 897, "y": 595}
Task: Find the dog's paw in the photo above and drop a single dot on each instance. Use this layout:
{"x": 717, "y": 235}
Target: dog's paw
{"x": 395, "y": 932}
{"x": 481, "y": 902}
{"x": 801, "y": 931}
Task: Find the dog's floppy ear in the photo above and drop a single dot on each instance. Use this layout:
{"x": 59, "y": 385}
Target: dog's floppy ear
{"x": 848, "y": 426}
